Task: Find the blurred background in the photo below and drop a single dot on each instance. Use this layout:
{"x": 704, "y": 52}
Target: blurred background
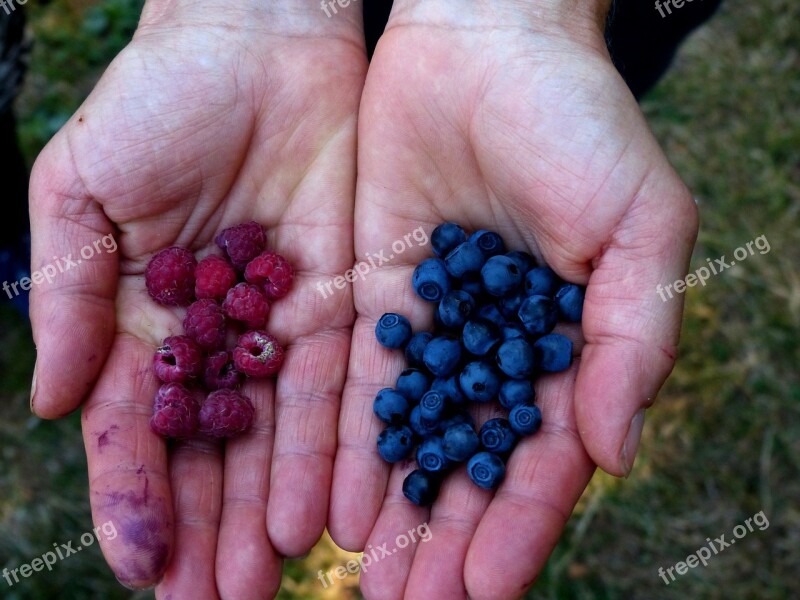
{"x": 722, "y": 443}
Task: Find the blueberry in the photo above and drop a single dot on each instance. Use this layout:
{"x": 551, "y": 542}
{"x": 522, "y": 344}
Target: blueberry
{"x": 430, "y": 455}
{"x": 450, "y": 388}
{"x": 492, "y": 313}
{"x": 480, "y": 381}
{"x": 391, "y": 406}
{"x": 472, "y": 284}
{"x": 420, "y": 487}
{"x": 460, "y": 442}
{"x": 553, "y": 352}
{"x": 486, "y": 470}
{"x": 480, "y": 336}
{"x": 446, "y": 237}
{"x": 455, "y": 308}
{"x": 432, "y": 405}
{"x": 524, "y": 261}
{"x": 525, "y": 419}
{"x": 463, "y": 259}
{"x": 395, "y": 443}
{"x": 458, "y": 418}
{"x": 516, "y": 391}
{"x": 538, "y": 315}
{"x": 412, "y": 383}
{"x": 516, "y": 358}
{"x": 509, "y": 305}
{"x": 569, "y": 298}
{"x": 541, "y": 281}
{"x": 416, "y": 346}
{"x": 514, "y": 330}
{"x": 500, "y": 276}
{"x": 489, "y": 242}
{"x": 430, "y": 280}
{"x": 420, "y": 426}
{"x": 442, "y": 355}
{"x": 497, "y": 436}
{"x": 393, "y": 331}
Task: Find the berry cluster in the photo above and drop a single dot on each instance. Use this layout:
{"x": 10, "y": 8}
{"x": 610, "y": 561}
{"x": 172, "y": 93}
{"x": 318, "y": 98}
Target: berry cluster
{"x": 197, "y": 363}
{"x": 494, "y": 316}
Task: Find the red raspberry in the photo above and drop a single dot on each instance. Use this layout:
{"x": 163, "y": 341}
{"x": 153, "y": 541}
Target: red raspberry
{"x": 178, "y": 360}
{"x": 170, "y": 276}
{"x": 225, "y": 414}
{"x": 258, "y": 354}
{"x": 205, "y": 324}
{"x": 214, "y": 277}
{"x": 247, "y": 303}
{"x": 272, "y": 272}
{"x": 175, "y": 412}
{"x": 242, "y": 243}
{"x": 220, "y": 373}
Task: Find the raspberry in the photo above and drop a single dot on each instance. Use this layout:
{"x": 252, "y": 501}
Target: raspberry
{"x": 247, "y": 303}
{"x": 271, "y": 271}
{"x": 225, "y": 414}
{"x": 178, "y": 360}
{"x": 220, "y": 373}
{"x": 175, "y": 412}
{"x": 205, "y": 324}
{"x": 169, "y": 276}
{"x": 258, "y": 354}
{"x": 242, "y": 243}
{"x": 214, "y": 277}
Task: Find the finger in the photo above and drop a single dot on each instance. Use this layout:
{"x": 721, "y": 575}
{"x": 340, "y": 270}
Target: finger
{"x": 546, "y": 475}
{"x": 72, "y": 304}
{"x": 631, "y": 332}
{"x": 127, "y": 464}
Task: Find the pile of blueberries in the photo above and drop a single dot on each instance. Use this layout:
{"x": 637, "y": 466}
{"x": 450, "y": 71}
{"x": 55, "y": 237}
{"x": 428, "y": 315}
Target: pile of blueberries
{"x": 494, "y": 315}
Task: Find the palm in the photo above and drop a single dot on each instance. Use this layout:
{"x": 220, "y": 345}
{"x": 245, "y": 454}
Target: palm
{"x": 538, "y": 138}
{"x": 184, "y": 135}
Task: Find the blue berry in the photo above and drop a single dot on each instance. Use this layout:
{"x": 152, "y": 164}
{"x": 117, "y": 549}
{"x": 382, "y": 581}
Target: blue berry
{"x": 450, "y": 388}
{"x": 538, "y": 315}
{"x": 430, "y": 280}
{"x": 460, "y": 442}
{"x": 442, "y": 355}
{"x": 416, "y": 346}
{"x": 497, "y": 436}
{"x": 459, "y": 418}
{"x": 489, "y": 242}
{"x": 393, "y": 331}
{"x": 486, "y": 470}
{"x": 422, "y": 427}
{"x": 525, "y": 419}
{"x": 420, "y": 487}
{"x": 541, "y": 281}
{"x": 553, "y": 352}
{"x": 492, "y": 313}
{"x": 516, "y": 391}
{"x": 509, "y": 305}
{"x": 395, "y": 443}
{"x": 391, "y": 406}
{"x": 432, "y": 405}
{"x": 569, "y": 298}
{"x": 455, "y": 308}
{"x": 446, "y": 237}
{"x": 473, "y": 285}
{"x": 479, "y": 381}
{"x": 516, "y": 358}
{"x": 514, "y": 330}
{"x": 412, "y": 383}
{"x": 479, "y": 336}
{"x": 430, "y": 455}
{"x": 500, "y": 275}
{"x": 463, "y": 259}
{"x": 524, "y": 261}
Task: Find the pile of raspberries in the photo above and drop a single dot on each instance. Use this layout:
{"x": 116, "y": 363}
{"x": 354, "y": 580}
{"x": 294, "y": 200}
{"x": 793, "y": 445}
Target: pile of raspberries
{"x": 200, "y": 376}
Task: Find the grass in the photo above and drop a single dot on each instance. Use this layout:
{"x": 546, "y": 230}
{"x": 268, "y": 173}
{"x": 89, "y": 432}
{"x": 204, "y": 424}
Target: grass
{"x": 722, "y": 443}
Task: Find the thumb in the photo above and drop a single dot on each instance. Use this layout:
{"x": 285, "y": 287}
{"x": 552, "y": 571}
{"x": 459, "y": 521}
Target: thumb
{"x": 73, "y": 283}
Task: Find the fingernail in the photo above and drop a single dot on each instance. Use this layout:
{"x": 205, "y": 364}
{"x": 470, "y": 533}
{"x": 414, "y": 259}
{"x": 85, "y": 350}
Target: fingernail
{"x": 631, "y": 444}
{"x": 33, "y": 385}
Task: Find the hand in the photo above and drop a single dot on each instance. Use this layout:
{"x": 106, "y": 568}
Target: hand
{"x": 215, "y": 114}
{"x": 508, "y": 116}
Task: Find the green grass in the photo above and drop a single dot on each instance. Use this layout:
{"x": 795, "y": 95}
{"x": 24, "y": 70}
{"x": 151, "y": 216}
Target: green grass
{"x": 722, "y": 443}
